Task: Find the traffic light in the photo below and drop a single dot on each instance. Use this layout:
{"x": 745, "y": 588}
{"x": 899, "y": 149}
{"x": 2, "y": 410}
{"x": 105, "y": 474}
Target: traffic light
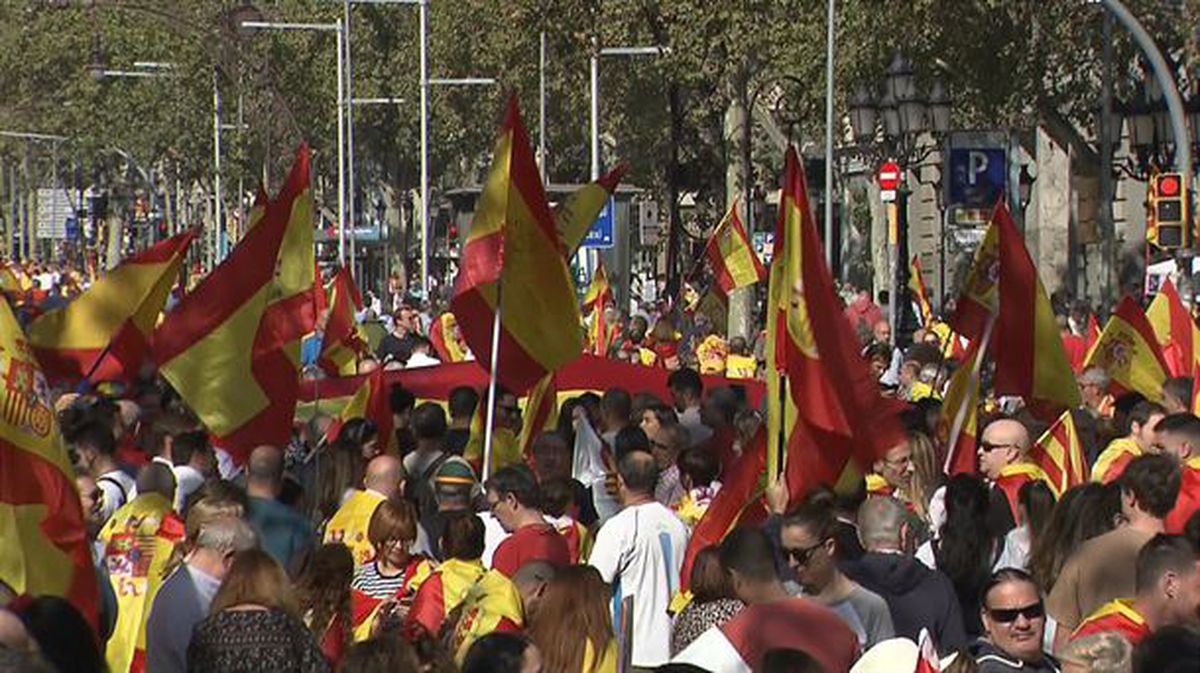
{"x": 1169, "y": 208}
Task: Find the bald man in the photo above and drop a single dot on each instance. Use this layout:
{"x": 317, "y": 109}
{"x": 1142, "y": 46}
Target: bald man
{"x": 284, "y": 533}
{"x": 1004, "y": 459}
{"x": 384, "y": 480}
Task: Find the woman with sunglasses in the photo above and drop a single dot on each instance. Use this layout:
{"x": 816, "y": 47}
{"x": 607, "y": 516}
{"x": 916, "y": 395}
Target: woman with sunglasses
{"x": 1014, "y": 624}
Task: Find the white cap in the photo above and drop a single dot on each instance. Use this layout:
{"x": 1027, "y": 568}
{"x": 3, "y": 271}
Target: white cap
{"x": 889, "y": 656}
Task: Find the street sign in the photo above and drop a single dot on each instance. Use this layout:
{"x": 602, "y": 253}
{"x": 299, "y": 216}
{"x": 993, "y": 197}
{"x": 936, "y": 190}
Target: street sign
{"x": 601, "y": 233}
{"x": 978, "y": 176}
{"x": 54, "y": 206}
{"x": 889, "y": 176}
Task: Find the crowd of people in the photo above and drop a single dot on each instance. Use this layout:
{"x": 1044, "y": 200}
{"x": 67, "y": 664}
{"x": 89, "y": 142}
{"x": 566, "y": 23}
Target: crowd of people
{"x": 355, "y": 552}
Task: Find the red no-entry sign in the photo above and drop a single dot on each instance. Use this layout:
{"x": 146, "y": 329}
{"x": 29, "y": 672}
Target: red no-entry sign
{"x": 889, "y": 176}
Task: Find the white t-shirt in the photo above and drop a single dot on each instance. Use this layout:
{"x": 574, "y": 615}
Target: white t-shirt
{"x": 640, "y": 552}
{"x": 119, "y": 488}
{"x": 187, "y": 480}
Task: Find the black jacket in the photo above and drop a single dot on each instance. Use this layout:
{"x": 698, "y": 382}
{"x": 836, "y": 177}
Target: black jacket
{"x": 916, "y": 596}
{"x": 991, "y": 660}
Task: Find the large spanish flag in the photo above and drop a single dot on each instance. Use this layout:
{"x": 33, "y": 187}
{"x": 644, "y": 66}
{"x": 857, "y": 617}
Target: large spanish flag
{"x": 104, "y": 334}
{"x": 830, "y": 389}
{"x": 1060, "y": 455}
{"x": 1128, "y": 351}
{"x": 514, "y": 261}
{"x": 1031, "y": 361}
{"x": 45, "y": 546}
{"x": 979, "y": 299}
{"x": 958, "y": 422}
{"x": 230, "y": 349}
{"x": 1175, "y": 331}
{"x": 732, "y": 259}
{"x": 341, "y": 343}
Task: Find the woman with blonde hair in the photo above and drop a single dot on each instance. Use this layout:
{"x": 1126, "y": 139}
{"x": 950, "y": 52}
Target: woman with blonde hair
{"x": 253, "y": 624}
{"x": 574, "y": 610}
{"x": 927, "y": 475}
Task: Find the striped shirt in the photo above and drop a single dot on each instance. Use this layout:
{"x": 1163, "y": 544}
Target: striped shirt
{"x": 369, "y": 580}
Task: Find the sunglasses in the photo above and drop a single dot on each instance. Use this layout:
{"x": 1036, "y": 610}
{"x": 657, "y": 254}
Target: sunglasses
{"x": 987, "y": 447}
{"x": 801, "y": 557}
{"x": 1009, "y": 615}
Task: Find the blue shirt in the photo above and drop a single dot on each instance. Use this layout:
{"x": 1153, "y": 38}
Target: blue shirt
{"x": 180, "y": 605}
{"x": 282, "y": 531}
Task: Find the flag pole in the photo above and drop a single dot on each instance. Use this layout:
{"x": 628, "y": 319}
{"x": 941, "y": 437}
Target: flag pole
{"x": 781, "y": 448}
{"x": 491, "y": 409}
{"x": 960, "y": 417}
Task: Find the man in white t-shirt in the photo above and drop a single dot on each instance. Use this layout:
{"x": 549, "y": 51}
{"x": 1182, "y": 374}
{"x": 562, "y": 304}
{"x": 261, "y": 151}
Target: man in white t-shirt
{"x": 640, "y": 552}
{"x": 93, "y": 443}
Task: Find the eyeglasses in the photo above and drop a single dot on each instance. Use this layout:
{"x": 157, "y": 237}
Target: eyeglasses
{"x": 801, "y": 557}
{"x": 1009, "y": 615}
{"x": 987, "y": 447}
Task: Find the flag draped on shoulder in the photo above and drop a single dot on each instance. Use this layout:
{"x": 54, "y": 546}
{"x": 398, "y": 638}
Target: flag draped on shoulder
{"x": 732, "y": 259}
{"x": 916, "y": 284}
{"x": 513, "y": 261}
{"x": 231, "y": 346}
{"x": 1128, "y": 351}
{"x": 45, "y": 546}
{"x": 1175, "y": 331}
{"x": 341, "y": 343}
{"x": 1060, "y": 455}
{"x": 1031, "y": 363}
{"x": 104, "y": 334}
{"x": 820, "y": 422}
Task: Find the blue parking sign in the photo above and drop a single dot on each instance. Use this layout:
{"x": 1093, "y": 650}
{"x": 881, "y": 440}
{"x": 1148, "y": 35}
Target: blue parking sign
{"x": 601, "y": 233}
{"x": 978, "y": 176}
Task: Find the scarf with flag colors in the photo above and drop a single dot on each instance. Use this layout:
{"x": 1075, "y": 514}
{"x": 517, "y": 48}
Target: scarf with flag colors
{"x": 45, "y": 547}
{"x": 732, "y": 259}
{"x": 1013, "y": 477}
{"x": 513, "y": 262}
{"x": 959, "y": 417}
{"x": 104, "y": 334}
{"x": 341, "y": 343}
{"x": 916, "y": 284}
{"x": 364, "y": 609}
{"x": 1059, "y": 454}
{"x": 349, "y": 524}
{"x": 447, "y": 339}
{"x": 1113, "y": 460}
{"x": 443, "y": 591}
{"x": 1128, "y": 351}
{"x": 1116, "y": 616}
{"x": 231, "y": 346}
{"x": 1032, "y": 363}
{"x": 1175, "y": 331}
{"x": 138, "y": 541}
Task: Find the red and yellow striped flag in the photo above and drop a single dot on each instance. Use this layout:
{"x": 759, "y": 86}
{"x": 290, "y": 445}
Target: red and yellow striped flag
{"x": 599, "y": 291}
{"x": 1031, "y": 362}
{"x": 979, "y": 299}
{"x": 447, "y": 339}
{"x": 810, "y": 341}
{"x": 732, "y": 258}
{"x": 341, "y": 343}
{"x": 371, "y": 401}
{"x": 104, "y": 334}
{"x": 1060, "y": 455}
{"x": 514, "y": 261}
{"x": 1129, "y": 353}
{"x": 541, "y": 412}
{"x": 958, "y": 422}
{"x": 231, "y": 346}
{"x": 1175, "y": 331}
{"x": 45, "y": 546}
{"x": 916, "y": 284}
{"x": 596, "y": 300}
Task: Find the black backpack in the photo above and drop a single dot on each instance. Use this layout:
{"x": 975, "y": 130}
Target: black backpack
{"x": 419, "y": 491}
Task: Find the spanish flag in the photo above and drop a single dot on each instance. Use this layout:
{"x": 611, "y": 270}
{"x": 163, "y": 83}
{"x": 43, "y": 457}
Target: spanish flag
{"x": 958, "y": 422}
{"x": 979, "y": 299}
{"x": 491, "y": 604}
{"x": 1060, "y": 455}
{"x": 1091, "y": 334}
{"x": 575, "y": 216}
{"x": 541, "y": 412}
{"x": 916, "y": 284}
{"x": 372, "y": 402}
{"x": 349, "y": 524}
{"x": 596, "y": 300}
{"x": 1031, "y": 363}
{"x": 829, "y": 387}
{"x": 45, "y": 547}
{"x": 341, "y": 343}
{"x": 364, "y": 609}
{"x": 599, "y": 291}
{"x": 447, "y": 339}
{"x": 1128, "y": 351}
{"x": 732, "y": 259}
{"x": 138, "y": 541}
{"x": 1175, "y": 331}
{"x": 104, "y": 334}
{"x": 439, "y": 595}
{"x": 231, "y": 346}
{"x": 514, "y": 261}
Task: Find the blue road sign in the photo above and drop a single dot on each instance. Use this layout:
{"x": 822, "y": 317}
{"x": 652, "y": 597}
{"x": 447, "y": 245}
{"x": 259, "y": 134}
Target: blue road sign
{"x": 601, "y": 233}
{"x": 978, "y": 176}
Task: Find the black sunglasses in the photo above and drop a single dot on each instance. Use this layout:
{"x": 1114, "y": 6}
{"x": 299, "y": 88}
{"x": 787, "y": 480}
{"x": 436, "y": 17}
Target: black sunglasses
{"x": 988, "y": 446}
{"x": 1009, "y": 615}
{"x": 801, "y": 557}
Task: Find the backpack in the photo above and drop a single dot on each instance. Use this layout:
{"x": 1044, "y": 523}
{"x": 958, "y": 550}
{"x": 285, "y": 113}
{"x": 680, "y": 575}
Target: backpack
{"x": 420, "y": 491}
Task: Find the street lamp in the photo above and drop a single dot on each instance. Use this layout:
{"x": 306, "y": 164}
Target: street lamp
{"x": 892, "y": 129}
